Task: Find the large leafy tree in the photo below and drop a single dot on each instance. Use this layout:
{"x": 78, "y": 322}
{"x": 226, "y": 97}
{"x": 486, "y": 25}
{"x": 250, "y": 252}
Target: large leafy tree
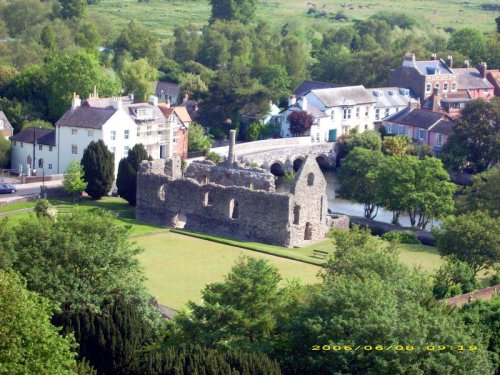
{"x": 300, "y": 122}
{"x": 470, "y": 42}
{"x": 72, "y": 8}
{"x": 73, "y": 181}
{"x": 483, "y": 194}
{"x": 137, "y": 78}
{"x": 369, "y": 300}
{"x": 477, "y": 137}
{"x": 358, "y": 180}
{"x": 99, "y": 169}
{"x": 238, "y": 313}
{"x": 229, "y": 10}
{"x": 398, "y": 145}
{"x": 29, "y": 343}
{"x": 197, "y": 139}
{"x": 138, "y": 42}
{"x": 369, "y": 139}
{"x": 126, "y": 181}
{"x": 473, "y": 238}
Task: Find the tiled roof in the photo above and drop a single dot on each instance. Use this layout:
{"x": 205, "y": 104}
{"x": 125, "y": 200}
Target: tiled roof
{"x": 167, "y": 111}
{"x": 6, "y": 124}
{"x": 86, "y": 117}
{"x": 340, "y": 96}
{"x": 41, "y": 136}
{"x": 431, "y": 67}
{"x": 104, "y": 102}
{"x": 183, "y": 114}
{"x": 444, "y": 127}
{"x": 167, "y": 89}
{"x": 470, "y": 78}
{"x": 391, "y": 96}
{"x": 308, "y": 85}
{"x": 419, "y": 118}
{"x": 486, "y": 293}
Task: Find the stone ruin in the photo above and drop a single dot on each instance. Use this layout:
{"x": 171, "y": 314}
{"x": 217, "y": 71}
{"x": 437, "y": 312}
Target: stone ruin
{"x": 229, "y": 200}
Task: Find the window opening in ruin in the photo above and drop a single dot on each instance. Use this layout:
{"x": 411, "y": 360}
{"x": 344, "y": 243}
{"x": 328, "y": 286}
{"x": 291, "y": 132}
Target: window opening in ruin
{"x": 207, "y": 199}
{"x": 204, "y": 180}
{"x": 233, "y": 209}
{"x": 310, "y": 179}
{"x": 162, "y": 193}
{"x": 179, "y": 220}
{"x": 308, "y": 232}
{"x": 296, "y": 214}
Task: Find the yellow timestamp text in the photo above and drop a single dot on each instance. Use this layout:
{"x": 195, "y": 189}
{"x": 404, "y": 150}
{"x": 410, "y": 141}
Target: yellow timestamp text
{"x": 397, "y": 348}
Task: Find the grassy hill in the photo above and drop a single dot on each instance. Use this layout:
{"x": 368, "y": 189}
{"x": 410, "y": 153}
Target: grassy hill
{"x": 162, "y": 16}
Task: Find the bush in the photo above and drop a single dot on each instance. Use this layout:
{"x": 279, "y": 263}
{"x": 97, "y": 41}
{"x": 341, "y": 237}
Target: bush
{"x": 213, "y": 157}
{"x": 401, "y": 237}
{"x": 43, "y": 208}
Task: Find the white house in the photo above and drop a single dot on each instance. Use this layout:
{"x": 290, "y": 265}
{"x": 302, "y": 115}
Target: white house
{"x": 390, "y": 100}
{"x": 336, "y": 111}
{"x": 34, "y": 148}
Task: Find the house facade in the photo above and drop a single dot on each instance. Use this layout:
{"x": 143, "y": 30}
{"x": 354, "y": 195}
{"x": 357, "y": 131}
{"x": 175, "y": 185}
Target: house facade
{"x": 337, "y": 111}
{"x": 5, "y": 127}
{"x": 34, "y": 148}
{"x": 390, "y": 100}
{"x": 423, "y": 126}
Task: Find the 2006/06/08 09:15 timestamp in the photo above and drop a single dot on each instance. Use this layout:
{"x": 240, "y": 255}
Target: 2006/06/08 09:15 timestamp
{"x": 397, "y": 348}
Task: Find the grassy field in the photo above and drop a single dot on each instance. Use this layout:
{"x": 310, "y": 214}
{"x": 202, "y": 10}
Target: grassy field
{"x": 178, "y": 266}
{"x": 162, "y": 16}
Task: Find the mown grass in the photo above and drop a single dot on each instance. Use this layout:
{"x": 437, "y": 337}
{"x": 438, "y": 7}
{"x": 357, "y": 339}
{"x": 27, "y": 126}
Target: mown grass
{"x": 16, "y": 206}
{"x": 162, "y": 16}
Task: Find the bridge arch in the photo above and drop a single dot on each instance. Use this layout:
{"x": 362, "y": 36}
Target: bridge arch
{"x": 323, "y": 161}
{"x": 277, "y": 168}
{"x": 297, "y": 163}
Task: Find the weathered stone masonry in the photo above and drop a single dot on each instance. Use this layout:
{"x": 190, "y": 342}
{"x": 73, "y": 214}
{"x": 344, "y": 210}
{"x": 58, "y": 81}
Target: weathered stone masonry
{"x": 230, "y": 201}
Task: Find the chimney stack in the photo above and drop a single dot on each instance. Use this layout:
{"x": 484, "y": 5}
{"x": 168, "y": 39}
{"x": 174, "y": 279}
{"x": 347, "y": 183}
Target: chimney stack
{"x": 292, "y": 100}
{"x": 167, "y": 103}
{"x": 186, "y": 98}
{"x": 449, "y": 61}
{"x": 303, "y": 104}
{"x": 153, "y": 100}
{"x": 117, "y": 103}
{"x": 75, "y": 102}
{"x": 410, "y": 57}
{"x": 482, "y": 67}
{"x": 231, "y": 157}
{"x": 434, "y": 56}
{"x": 466, "y": 64}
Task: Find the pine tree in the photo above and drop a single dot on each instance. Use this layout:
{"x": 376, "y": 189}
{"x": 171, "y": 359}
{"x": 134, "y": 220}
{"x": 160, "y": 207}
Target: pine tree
{"x": 126, "y": 181}
{"x": 98, "y": 165}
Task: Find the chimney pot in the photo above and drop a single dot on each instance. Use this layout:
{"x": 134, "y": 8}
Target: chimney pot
{"x": 466, "y": 63}
{"x": 434, "y": 56}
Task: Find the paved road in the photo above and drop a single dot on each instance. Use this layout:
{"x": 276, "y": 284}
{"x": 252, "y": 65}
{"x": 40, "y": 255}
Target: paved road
{"x": 27, "y": 190}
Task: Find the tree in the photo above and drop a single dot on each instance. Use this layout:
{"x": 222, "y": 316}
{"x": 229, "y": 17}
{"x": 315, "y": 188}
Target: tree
{"x": 99, "y": 169}
{"x": 454, "y": 278}
{"x": 7, "y": 75}
{"x": 73, "y": 182}
{"x": 369, "y": 139}
{"x": 368, "y": 299}
{"x": 48, "y": 38}
{"x": 126, "y": 181}
{"x": 138, "y": 77}
{"x": 476, "y": 136}
{"x": 358, "y": 180}
{"x": 37, "y": 123}
{"x": 398, "y": 145}
{"x": 229, "y": 10}
{"x": 187, "y": 43}
{"x": 193, "y": 85}
{"x": 29, "y": 343}
{"x": 139, "y": 42}
{"x": 497, "y": 20}
{"x": 238, "y": 313}
{"x": 79, "y": 262}
{"x": 470, "y": 42}
{"x": 72, "y": 8}
{"x": 4, "y": 152}
{"x": 197, "y": 139}
{"x": 300, "y": 122}
{"x": 472, "y": 237}
{"x": 483, "y": 194}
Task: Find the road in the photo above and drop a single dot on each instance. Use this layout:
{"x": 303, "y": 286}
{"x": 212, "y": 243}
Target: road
{"x": 27, "y": 190}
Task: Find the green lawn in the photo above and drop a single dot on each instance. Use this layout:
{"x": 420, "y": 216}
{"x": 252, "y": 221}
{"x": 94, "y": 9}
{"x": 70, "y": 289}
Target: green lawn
{"x": 16, "y": 206}
{"x": 163, "y": 16}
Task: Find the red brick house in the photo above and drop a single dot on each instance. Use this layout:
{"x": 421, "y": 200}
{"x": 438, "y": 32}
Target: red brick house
{"x": 179, "y": 128}
{"x": 494, "y": 77}
{"x": 5, "y": 127}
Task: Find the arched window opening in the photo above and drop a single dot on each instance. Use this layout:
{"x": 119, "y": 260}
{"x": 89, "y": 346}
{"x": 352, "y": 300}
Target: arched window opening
{"x": 310, "y": 179}
{"x": 234, "y": 209}
{"x": 296, "y": 214}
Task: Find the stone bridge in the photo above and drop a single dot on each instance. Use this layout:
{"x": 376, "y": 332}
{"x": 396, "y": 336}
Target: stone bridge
{"x": 281, "y": 155}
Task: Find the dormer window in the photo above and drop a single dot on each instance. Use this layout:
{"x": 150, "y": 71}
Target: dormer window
{"x": 144, "y": 113}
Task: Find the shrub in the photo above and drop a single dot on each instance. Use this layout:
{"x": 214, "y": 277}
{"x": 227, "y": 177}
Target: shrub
{"x": 214, "y": 157}
{"x": 43, "y": 208}
{"x": 401, "y": 237}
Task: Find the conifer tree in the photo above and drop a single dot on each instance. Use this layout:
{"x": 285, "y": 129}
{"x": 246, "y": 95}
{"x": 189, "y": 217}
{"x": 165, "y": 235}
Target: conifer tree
{"x": 99, "y": 166}
{"x": 126, "y": 181}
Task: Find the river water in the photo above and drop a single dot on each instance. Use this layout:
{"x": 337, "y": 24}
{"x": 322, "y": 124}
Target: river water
{"x": 344, "y": 206}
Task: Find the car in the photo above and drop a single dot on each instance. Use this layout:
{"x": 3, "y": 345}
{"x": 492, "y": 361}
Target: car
{"x": 6, "y": 189}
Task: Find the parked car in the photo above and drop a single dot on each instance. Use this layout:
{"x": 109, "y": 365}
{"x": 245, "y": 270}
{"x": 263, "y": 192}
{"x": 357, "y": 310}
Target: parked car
{"x": 6, "y": 189}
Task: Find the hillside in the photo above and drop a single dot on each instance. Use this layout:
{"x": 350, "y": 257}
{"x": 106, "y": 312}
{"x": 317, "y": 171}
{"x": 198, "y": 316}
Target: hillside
{"x": 162, "y": 16}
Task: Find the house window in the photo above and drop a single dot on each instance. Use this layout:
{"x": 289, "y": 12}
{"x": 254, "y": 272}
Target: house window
{"x": 90, "y": 132}
{"x": 386, "y": 112}
{"x": 437, "y": 85}
{"x": 421, "y": 134}
{"x": 113, "y": 135}
{"x": 358, "y": 110}
{"x": 74, "y": 131}
{"x": 445, "y": 87}
{"x": 40, "y": 147}
{"x": 317, "y": 137}
{"x": 401, "y": 129}
{"x": 125, "y": 149}
{"x": 453, "y": 86}
{"x": 138, "y": 133}
{"x": 125, "y": 134}
{"x": 439, "y": 139}
{"x": 367, "y": 111}
{"x": 74, "y": 149}
{"x": 347, "y": 113}
{"x": 428, "y": 87}
{"x": 50, "y": 166}
{"x": 332, "y": 115}
{"x": 377, "y": 114}
{"x": 50, "y": 148}
{"x": 366, "y": 126}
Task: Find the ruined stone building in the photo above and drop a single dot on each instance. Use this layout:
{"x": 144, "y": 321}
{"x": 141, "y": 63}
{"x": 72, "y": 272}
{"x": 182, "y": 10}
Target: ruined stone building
{"x": 231, "y": 201}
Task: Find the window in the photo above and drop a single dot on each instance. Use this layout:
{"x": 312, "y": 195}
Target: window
{"x": 386, "y": 112}
{"x": 138, "y": 133}
{"x": 428, "y": 87}
{"x": 50, "y": 148}
{"x": 21, "y": 144}
{"x": 317, "y": 137}
{"x": 401, "y": 129}
{"x": 296, "y": 214}
{"x": 347, "y": 113}
{"x": 332, "y": 115}
{"x": 366, "y": 126}
{"x": 233, "y": 209}
{"x": 113, "y": 135}
{"x": 421, "y": 134}
{"x": 40, "y": 163}
{"x": 445, "y": 86}
{"x": 437, "y": 85}
{"x": 207, "y": 199}
{"x": 90, "y": 132}
{"x": 439, "y": 139}
{"x": 377, "y": 114}
{"x": 454, "y": 86}
{"x": 310, "y": 179}
{"x": 40, "y": 147}
{"x": 74, "y": 131}
{"x": 357, "y": 112}
{"x": 74, "y": 149}
{"x": 485, "y": 91}
{"x": 125, "y": 134}
{"x": 367, "y": 111}
{"x": 125, "y": 149}
{"x": 113, "y": 150}
{"x": 50, "y": 166}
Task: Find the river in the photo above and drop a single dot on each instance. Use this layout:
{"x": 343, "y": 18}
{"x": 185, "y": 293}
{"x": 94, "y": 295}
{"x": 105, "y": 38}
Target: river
{"x": 347, "y": 207}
